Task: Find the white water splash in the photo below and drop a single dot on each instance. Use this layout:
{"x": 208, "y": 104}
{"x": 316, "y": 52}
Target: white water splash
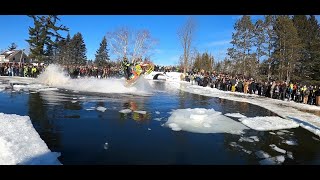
{"x": 54, "y": 76}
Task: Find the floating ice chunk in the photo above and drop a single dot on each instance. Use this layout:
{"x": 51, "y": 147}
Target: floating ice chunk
{"x": 149, "y": 129}
{"x": 157, "y": 119}
{"x": 102, "y": 109}
{"x": 74, "y": 98}
{"x": 141, "y": 112}
{"x": 289, "y": 154}
{"x": 125, "y": 111}
{"x": 89, "y": 109}
{"x": 290, "y": 142}
{"x": 75, "y": 91}
{"x": 268, "y": 161}
{"x": 207, "y": 125}
{"x": 284, "y": 131}
{"x": 255, "y": 138}
{"x": 234, "y": 144}
{"x": 280, "y": 159}
{"x": 261, "y": 154}
{"x": 269, "y": 123}
{"x": 73, "y": 101}
{"x": 106, "y": 146}
{"x": 272, "y": 133}
{"x": 174, "y": 126}
{"x": 280, "y": 133}
{"x": 246, "y": 139}
{"x": 274, "y": 147}
{"x": 200, "y": 120}
{"x": 291, "y": 110}
{"x": 246, "y": 151}
{"x": 236, "y": 115}
{"x": 48, "y": 89}
{"x": 273, "y": 161}
{"x": 157, "y": 112}
{"x": 315, "y": 138}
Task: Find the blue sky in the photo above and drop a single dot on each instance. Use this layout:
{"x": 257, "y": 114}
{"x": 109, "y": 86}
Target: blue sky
{"x": 213, "y": 32}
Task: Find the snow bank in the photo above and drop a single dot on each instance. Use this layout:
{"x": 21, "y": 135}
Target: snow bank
{"x": 200, "y": 120}
{"x": 21, "y": 144}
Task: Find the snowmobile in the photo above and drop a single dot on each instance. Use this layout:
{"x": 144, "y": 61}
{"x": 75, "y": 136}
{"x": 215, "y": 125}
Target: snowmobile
{"x": 139, "y": 70}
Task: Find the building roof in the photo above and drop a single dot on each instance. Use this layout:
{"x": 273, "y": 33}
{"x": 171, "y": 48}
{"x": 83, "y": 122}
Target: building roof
{"x": 9, "y": 54}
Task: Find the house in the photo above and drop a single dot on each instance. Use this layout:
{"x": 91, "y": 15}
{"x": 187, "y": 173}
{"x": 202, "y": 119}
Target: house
{"x": 14, "y": 56}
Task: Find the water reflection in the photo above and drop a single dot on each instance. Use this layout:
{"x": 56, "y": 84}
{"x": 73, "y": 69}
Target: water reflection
{"x": 47, "y": 127}
{"x": 137, "y": 113}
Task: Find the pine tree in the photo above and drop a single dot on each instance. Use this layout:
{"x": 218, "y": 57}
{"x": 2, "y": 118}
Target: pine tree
{"x": 303, "y": 27}
{"x": 12, "y": 47}
{"x": 203, "y": 61}
{"x": 269, "y": 23}
{"x": 288, "y": 47}
{"x": 314, "y": 44}
{"x": 259, "y": 42}
{"x": 102, "y": 56}
{"x": 242, "y": 41}
{"x": 49, "y": 52}
{"x": 63, "y": 51}
{"x": 78, "y": 50}
{"x": 40, "y": 36}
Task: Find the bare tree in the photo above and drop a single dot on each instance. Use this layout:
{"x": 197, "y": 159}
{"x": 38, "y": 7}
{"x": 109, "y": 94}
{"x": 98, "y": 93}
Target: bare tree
{"x": 133, "y": 45}
{"x": 186, "y": 36}
{"x": 143, "y": 43}
{"x": 119, "y": 41}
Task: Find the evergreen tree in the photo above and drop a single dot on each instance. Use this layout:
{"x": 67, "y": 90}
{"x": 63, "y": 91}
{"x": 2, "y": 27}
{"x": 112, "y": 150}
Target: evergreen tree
{"x": 269, "y": 23}
{"x": 63, "y": 51}
{"x": 78, "y": 50}
{"x": 12, "y": 47}
{"x": 204, "y": 61}
{"x": 49, "y": 52}
{"x": 303, "y": 27}
{"x": 102, "y": 56}
{"x": 314, "y": 45}
{"x": 242, "y": 41}
{"x": 40, "y": 36}
{"x": 259, "y": 42}
{"x": 287, "y": 48}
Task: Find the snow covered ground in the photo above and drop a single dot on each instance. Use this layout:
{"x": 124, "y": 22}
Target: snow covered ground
{"x": 20, "y": 144}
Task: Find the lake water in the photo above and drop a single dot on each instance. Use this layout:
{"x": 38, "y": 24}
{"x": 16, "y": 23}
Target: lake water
{"x": 78, "y": 125}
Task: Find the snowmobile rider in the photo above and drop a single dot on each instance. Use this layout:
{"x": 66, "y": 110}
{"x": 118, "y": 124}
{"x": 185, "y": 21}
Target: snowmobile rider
{"x": 126, "y": 66}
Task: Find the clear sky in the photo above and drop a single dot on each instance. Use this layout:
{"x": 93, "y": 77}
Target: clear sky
{"x": 213, "y": 32}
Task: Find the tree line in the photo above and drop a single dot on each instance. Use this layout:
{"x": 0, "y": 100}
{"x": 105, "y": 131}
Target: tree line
{"x": 277, "y": 47}
{"x": 49, "y": 46}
